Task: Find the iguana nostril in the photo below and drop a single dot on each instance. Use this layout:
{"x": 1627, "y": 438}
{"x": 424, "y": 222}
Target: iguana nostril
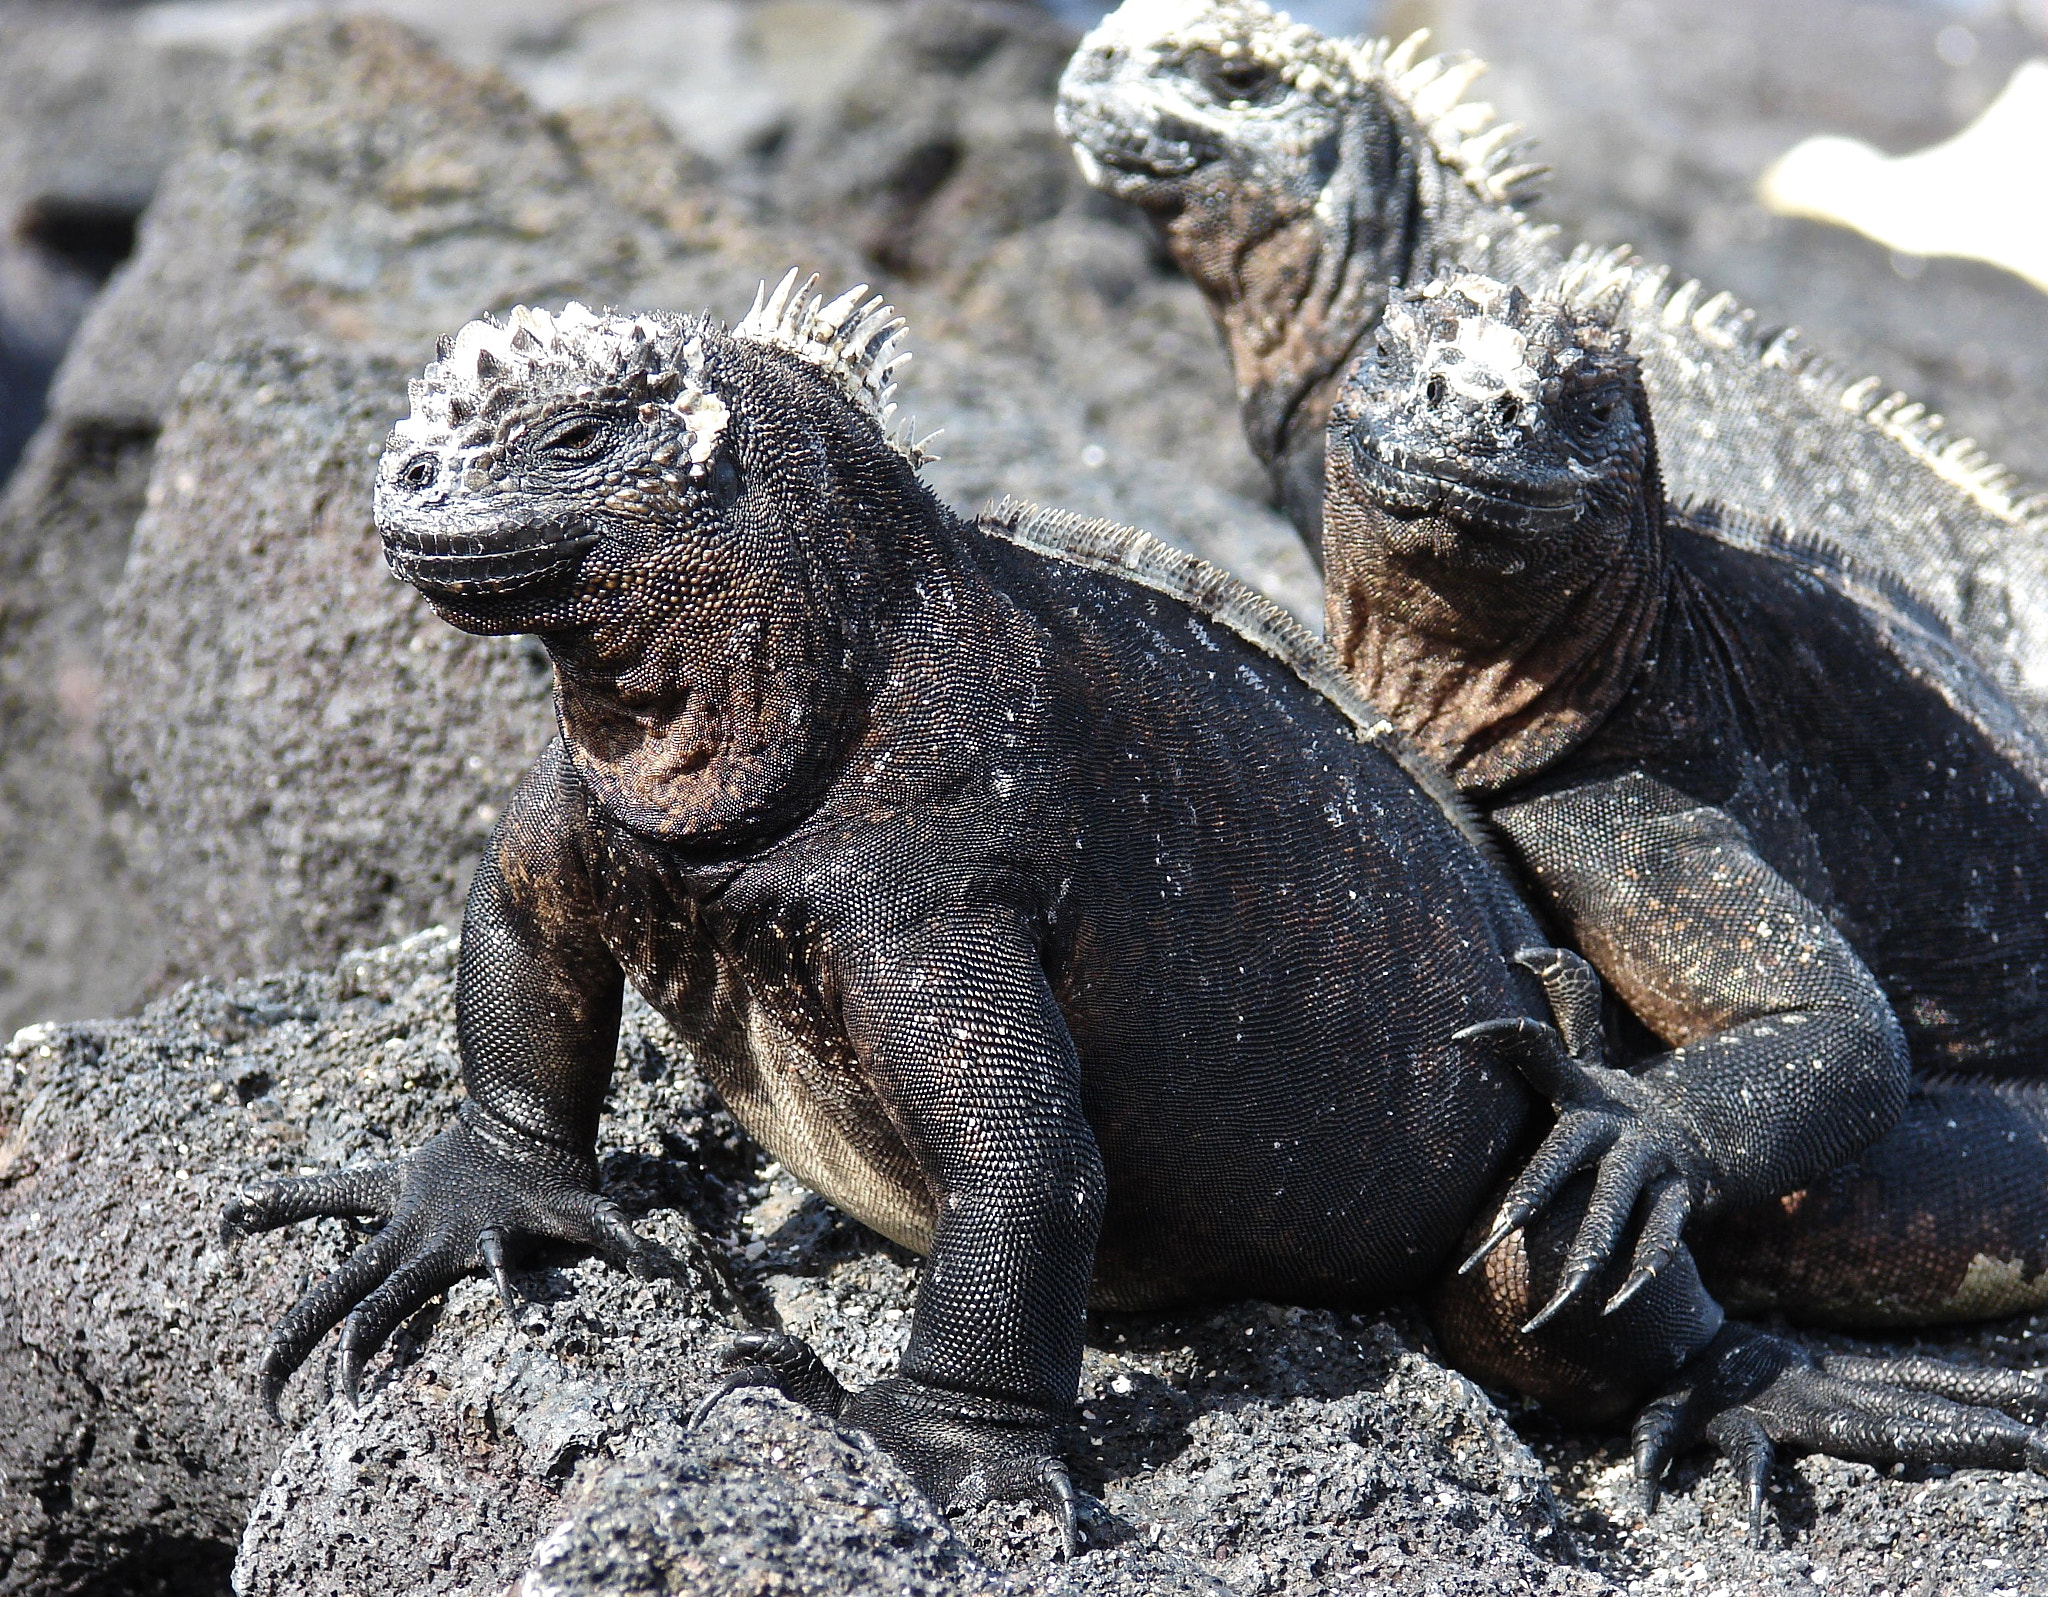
{"x": 1435, "y": 390}
{"x": 1510, "y": 408}
{"x": 420, "y": 472}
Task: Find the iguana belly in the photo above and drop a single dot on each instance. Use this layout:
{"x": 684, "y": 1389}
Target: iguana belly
{"x": 824, "y": 1125}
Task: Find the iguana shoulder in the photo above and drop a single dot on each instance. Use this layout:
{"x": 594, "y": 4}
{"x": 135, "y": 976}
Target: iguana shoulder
{"x": 1134, "y": 556}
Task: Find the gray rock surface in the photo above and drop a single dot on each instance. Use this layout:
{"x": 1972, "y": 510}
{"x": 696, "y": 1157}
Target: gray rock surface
{"x": 283, "y": 702}
{"x": 131, "y": 1442}
{"x": 1251, "y": 1449}
{"x": 356, "y": 196}
{"x": 89, "y": 115}
{"x": 1245, "y": 1449}
{"x": 90, "y": 111}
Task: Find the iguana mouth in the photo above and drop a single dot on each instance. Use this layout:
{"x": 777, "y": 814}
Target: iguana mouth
{"x": 453, "y": 566}
{"x": 1151, "y": 158}
{"x": 1114, "y": 156}
{"x": 1412, "y": 484}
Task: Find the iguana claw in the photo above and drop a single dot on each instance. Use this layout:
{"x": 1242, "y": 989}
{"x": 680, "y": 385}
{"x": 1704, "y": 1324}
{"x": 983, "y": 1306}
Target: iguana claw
{"x": 444, "y": 1208}
{"x": 1607, "y": 1120}
{"x": 771, "y": 1359}
{"x": 1749, "y": 1393}
{"x": 962, "y": 1451}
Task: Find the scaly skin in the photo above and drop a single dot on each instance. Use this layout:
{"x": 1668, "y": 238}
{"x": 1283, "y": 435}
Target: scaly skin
{"x": 1712, "y": 758}
{"x": 1296, "y": 178}
{"x": 1006, "y": 889}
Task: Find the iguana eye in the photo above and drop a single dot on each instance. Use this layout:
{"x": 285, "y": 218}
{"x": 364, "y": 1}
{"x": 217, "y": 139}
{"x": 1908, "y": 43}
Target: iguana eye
{"x": 1241, "y": 82}
{"x": 1589, "y": 411}
{"x": 725, "y": 479}
{"x": 574, "y": 438}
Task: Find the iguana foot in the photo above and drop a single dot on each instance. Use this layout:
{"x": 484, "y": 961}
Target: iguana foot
{"x": 770, "y": 1358}
{"x": 1749, "y": 1393}
{"x": 962, "y": 1451}
{"x": 1647, "y": 1160}
{"x": 444, "y": 1209}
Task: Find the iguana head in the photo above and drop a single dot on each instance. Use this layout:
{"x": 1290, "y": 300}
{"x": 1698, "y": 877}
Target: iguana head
{"x": 1295, "y": 177}
{"x": 1494, "y": 516}
{"x": 1163, "y": 89}
{"x": 688, "y": 517}
{"x": 1498, "y": 429}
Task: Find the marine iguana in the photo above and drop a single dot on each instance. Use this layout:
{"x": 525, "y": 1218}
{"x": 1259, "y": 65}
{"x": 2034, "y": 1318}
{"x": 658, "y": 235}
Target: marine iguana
{"x": 1047, "y": 900}
{"x": 1297, "y": 177}
{"x": 1705, "y": 738}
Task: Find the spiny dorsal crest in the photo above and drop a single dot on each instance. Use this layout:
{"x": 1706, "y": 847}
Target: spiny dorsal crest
{"x": 491, "y": 368}
{"x": 1467, "y": 135}
{"x": 855, "y": 340}
{"x": 1486, "y": 338}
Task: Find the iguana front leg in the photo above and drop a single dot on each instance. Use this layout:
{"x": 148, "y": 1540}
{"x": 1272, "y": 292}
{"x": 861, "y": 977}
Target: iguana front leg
{"x": 537, "y": 1014}
{"x": 1787, "y": 1057}
{"x": 957, "y": 1027}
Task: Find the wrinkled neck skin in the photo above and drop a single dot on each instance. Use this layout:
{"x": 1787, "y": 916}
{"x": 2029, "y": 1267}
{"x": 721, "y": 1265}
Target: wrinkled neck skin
{"x": 719, "y": 740}
{"x": 714, "y": 711}
{"x": 1498, "y": 655}
{"x": 1297, "y": 282}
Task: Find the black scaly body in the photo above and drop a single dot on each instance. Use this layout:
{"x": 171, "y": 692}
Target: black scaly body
{"x": 1298, "y": 178}
{"x": 1714, "y": 748}
{"x": 1048, "y": 901}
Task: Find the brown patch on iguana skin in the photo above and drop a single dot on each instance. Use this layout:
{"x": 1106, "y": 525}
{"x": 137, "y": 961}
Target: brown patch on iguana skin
{"x": 1295, "y": 196}
{"x": 1923, "y": 1229}
{"x": 1833, "y": 771}
{"x": 1290, "y": 323}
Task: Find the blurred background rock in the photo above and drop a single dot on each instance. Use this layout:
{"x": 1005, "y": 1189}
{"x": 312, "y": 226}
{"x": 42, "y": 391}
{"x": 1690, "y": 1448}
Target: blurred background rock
{"x": 273, "y": 753}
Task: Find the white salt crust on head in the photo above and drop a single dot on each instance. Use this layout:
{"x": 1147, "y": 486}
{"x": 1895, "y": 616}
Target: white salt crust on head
{"x": 1486, "y": 152}
{"x": 490, "y": 366}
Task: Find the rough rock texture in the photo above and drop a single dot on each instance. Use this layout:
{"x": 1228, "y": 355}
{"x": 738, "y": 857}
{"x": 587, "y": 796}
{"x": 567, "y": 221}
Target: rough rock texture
{"x": 1250, "y": 1449}
{"x": 90, "y": 110}
{"x": 89, "y": 114}
{"x": 283, "y": 700}
{"x": 80, "y": 935}
{"x": 131, "y": 1443}
{"x": 1247, "y": 1449}
{"x": 358, "y": 194}
{"x": 1659, "y": 119}
{"x": 762, "y": 1493}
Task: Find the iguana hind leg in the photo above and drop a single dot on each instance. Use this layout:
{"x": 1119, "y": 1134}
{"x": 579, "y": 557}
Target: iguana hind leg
{"x": 1943, "y": 1220}
{"x": 1751, "y": 1393}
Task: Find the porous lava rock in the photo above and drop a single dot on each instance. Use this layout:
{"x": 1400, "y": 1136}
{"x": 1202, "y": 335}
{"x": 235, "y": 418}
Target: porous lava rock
{"x": 131, "y": 1440}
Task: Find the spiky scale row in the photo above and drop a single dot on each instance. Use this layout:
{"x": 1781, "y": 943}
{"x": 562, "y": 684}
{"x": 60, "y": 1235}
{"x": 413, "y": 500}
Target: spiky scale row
{"x": 1602, "y": 279}
{"x": 489, "y": 367}
{"x": 1485, "y": 152}
{"x": 855, "y": 340}
{"x": 1140, "y": 558}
